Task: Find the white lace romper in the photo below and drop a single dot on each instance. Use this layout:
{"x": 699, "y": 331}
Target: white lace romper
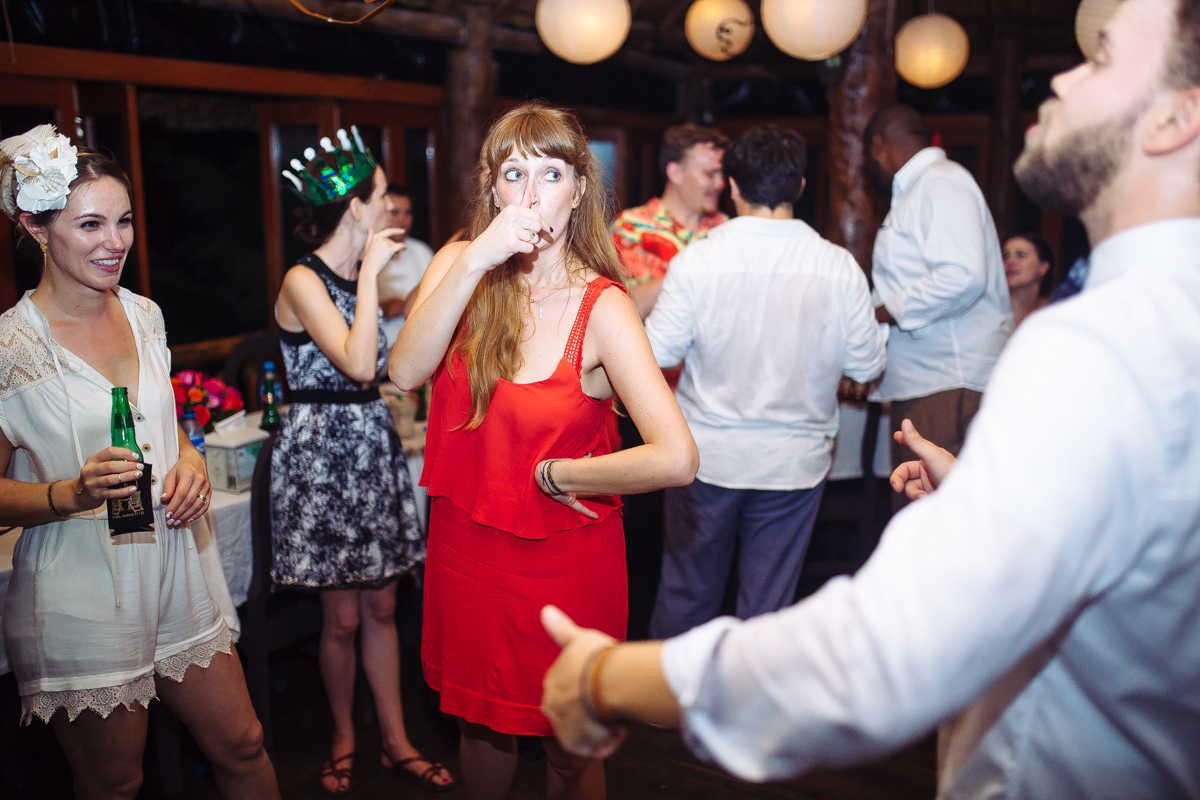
{"x": 89, "y": 619}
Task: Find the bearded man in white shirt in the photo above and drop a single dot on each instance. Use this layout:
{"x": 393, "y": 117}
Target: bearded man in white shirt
{"x": 939, "y": 282}
{"x": 1049, "y": 585}
{"x": 766, "y": 317}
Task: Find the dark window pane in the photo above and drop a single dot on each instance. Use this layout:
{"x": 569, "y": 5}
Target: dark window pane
{"x": 203, "y": 226}
{"x": 418, "y": 155}
{"x": 965, "y": 154}
{"x": 293, "y": 139}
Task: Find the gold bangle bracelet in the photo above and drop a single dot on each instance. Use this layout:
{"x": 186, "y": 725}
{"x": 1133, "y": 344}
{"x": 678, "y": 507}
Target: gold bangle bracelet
{"x": 595, "y": 701}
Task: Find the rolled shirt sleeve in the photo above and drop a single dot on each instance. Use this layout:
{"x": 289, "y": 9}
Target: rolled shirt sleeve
{"x": 866, "y": 339}
{"x": 951, "y": 239}
{"x": 951, "y": 599}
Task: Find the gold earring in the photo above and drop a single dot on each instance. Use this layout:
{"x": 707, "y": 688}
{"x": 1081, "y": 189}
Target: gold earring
{"x": 44, "y": 248}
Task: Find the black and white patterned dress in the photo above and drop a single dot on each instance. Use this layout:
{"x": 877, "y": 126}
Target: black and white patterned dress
{"x": 342, "y": 508}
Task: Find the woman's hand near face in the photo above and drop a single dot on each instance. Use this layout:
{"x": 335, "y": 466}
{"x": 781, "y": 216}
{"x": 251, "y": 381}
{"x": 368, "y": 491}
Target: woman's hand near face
{"x": 516, "y": 229}
{"x": 379, "y": 250}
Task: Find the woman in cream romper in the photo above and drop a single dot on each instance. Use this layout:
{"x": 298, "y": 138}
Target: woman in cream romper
{"x": 97, "y": 626}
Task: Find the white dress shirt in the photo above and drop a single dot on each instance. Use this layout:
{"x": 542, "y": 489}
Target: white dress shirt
{"x": 938, "y": 270}
{"x": 399, "y": 277}
{"x": 1064, "y": 546}
{"x": 766, "y": 316}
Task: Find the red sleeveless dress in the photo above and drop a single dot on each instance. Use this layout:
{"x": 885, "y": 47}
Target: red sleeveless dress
{"x": 499, "y": 549}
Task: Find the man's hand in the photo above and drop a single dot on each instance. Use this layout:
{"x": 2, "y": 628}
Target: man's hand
{"x": 883, "y": 315}
{"x": 563, "y": 700}
{"x": 919, "y": 478}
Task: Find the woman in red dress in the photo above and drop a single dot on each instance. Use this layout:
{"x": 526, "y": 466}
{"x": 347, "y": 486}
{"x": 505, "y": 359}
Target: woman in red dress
{"x": 528, "y": 334}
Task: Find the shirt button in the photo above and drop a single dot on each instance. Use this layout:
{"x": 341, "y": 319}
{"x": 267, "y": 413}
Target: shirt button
{"x": 146, "y": 447}
{"x": 153, "y": 479}
{"x": 140, "y": 418}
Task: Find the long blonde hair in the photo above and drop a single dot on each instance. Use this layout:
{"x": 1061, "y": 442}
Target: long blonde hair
{"x": 493, "y": 325}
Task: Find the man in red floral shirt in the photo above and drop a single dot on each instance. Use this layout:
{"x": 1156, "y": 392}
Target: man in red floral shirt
{"x": 649, "y": 236}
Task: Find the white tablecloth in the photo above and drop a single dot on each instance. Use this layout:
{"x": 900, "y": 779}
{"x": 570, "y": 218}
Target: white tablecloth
{"x": 231, "y": 522}
{"x": 847, "y": 450}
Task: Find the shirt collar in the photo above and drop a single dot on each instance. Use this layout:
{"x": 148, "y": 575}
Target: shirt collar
{"x": 907, "y": 174}
{"x": 1168, "y": 241}
{"x": 657, "y": 210}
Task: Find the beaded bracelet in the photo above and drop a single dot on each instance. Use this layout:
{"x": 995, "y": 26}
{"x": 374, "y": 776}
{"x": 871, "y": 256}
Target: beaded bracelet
{"x": 50, "y": 500}
{"x": 548, "y": 478}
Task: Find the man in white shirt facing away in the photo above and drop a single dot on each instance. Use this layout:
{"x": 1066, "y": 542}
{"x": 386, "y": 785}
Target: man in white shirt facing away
{"x": 766, "y": 317}
{"x": 399, "y": 280}
{"x": 1050, "y": 583}
{"x": 939, "y": 283}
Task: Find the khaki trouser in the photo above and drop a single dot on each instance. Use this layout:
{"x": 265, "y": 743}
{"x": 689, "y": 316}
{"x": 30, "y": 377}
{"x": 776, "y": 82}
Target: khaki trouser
{"x": 942, "y": 418}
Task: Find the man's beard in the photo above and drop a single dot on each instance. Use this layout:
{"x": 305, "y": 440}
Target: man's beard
{"x": 1069, "y": 180}
{"x": 875, "y": 174}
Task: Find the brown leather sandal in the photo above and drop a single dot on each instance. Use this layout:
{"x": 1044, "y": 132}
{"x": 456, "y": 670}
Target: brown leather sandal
{"x": 339, "y": 774}
{"x": 425, "y": 779}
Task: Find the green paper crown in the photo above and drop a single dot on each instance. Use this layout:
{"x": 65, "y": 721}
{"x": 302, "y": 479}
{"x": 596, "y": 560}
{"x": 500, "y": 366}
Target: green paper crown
{"x": 318, "y": 183}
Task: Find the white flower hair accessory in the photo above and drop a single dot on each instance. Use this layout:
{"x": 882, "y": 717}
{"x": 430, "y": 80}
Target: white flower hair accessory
{"x": 40, "y": 166}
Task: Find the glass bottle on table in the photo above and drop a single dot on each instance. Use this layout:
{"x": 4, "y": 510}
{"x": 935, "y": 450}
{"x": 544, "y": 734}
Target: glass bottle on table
{"x": 270, "y": 415}
{"x": 193, "y": 429}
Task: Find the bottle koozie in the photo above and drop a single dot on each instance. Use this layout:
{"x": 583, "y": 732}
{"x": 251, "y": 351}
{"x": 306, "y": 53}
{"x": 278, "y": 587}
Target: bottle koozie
{"x": 135, "y": 512}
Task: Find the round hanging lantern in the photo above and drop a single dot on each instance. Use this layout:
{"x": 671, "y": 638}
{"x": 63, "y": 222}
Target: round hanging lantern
{"x": 931, "y": 50}
{"x": 583, "y": 31}
{"x": 719, "y": 29}
{"x": 813, "y": 29}
{"x": 1089, "y": 20}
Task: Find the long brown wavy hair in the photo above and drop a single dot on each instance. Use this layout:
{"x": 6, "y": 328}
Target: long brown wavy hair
{"x": 493, "y": 326}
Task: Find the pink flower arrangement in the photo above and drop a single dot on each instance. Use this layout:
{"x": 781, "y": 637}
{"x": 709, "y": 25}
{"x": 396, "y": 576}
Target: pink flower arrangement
{"x": 209, "y": 398}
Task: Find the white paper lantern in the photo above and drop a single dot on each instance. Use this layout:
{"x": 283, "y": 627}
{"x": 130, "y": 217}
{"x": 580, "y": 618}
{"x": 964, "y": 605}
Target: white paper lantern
{"x": 1089, "y": 20}
{"x": 583, "y": 31}
{"x": 931, "y": 50}
{"x": 719, "y": 29}
{"x": 813, "y": 29}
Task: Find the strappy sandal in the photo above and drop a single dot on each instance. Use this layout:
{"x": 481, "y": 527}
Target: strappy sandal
{"x": 339, "y": 774}
{"x": 425, "y": 779}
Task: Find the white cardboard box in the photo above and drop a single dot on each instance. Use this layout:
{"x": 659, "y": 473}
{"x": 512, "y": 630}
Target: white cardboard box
{"x": 231, "y": 457}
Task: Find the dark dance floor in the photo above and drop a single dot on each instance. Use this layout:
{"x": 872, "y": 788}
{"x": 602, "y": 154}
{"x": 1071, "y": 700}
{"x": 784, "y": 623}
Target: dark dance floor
{"x": 652, "y": 764}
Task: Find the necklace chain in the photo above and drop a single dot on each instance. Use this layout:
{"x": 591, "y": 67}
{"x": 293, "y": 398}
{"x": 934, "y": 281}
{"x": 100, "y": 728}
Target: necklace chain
{"x": 546, "y": 297}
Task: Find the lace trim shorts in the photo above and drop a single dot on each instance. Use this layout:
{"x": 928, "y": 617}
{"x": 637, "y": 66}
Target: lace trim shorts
{"x": 141, "y": 691}
{"x": 80, "y": 633}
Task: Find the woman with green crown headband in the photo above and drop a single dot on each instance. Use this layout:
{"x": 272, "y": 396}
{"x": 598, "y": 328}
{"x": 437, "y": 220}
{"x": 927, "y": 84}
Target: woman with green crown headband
{"x": 98, "y": 625}
{"x": 343, "y": 517}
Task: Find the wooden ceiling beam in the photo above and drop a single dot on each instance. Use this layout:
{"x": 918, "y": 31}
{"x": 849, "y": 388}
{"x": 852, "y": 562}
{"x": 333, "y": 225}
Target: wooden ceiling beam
{"x": 418, "y": 24}
{"x": 452, "y": 30}
{"x": 673, "y": 15}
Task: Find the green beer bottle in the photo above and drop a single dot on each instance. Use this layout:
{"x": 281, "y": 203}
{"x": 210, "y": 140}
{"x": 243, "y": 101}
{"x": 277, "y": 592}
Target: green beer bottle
{"x": 123, "y": 434}
{"x": 270, "y": 399}
{"x": 135, "y": 512}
